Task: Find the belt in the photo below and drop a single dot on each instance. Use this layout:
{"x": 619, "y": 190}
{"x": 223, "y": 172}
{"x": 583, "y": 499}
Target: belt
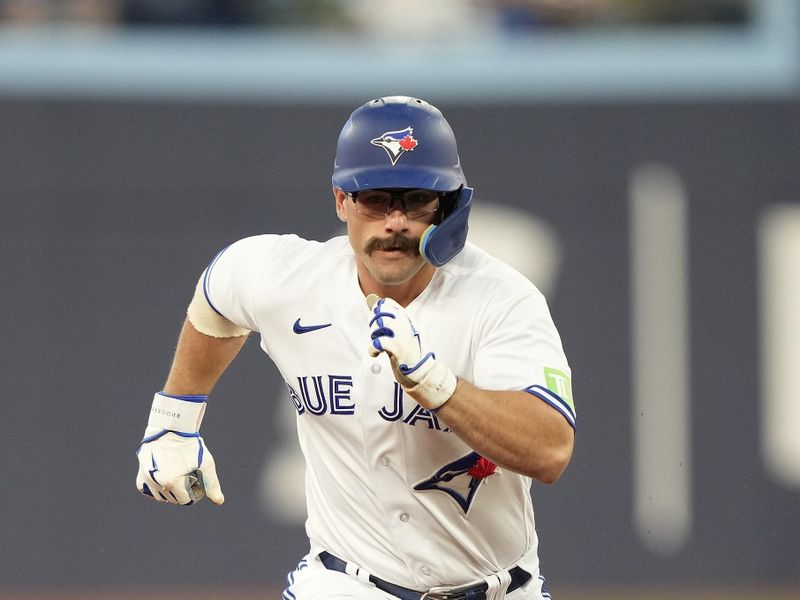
{"x": 519, "y": 577}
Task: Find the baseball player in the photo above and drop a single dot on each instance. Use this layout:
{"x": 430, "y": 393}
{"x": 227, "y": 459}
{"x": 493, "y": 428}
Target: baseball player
{"x": 428, "y": 377}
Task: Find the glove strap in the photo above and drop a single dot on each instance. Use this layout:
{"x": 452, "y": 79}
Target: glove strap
{"x": 436, "y": 386}
{"x": 182, "y": 414}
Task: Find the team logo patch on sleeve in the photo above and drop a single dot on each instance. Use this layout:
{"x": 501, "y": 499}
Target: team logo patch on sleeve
{"x": 396, "y": 143}
{"x": 460, "y": 479}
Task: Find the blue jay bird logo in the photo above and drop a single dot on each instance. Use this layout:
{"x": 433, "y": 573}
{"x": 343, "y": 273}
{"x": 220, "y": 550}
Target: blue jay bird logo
{"x": 460, "y": 479}
{"x": 396, "y": 143}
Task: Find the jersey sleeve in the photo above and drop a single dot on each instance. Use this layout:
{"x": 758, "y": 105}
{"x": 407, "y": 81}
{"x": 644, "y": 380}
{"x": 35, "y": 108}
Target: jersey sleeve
{"x": 520, "y": 349}
{"x": 231, "y": 276}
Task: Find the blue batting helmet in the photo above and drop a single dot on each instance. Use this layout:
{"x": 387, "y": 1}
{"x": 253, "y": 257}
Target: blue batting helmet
{"x": 397, "y": 142}
{"x": 403, "y": 142}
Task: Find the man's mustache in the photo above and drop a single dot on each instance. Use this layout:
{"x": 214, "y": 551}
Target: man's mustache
{"x": 396, "y": 242}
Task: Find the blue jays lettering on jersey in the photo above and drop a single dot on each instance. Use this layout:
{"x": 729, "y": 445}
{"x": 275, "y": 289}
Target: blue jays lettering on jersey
{"x": 357, "y": 429}
{"x": 323, "y": 394}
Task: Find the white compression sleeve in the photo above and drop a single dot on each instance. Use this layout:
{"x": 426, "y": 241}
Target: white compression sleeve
{"x": 208, "y": 321}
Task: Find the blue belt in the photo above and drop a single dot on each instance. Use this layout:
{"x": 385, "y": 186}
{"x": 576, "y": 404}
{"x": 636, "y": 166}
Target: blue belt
{"x": 519, "y": 577}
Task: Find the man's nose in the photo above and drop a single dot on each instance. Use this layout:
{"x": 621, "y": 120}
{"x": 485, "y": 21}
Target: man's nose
{"x": 396, "y": 219}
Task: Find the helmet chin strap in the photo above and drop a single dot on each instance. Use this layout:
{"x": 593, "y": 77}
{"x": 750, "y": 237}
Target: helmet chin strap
{"x": 440, "y": 243}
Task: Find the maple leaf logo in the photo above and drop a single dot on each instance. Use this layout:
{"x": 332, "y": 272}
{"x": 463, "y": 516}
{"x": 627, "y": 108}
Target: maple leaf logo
{"x": 408, "y": 143}
{"x": 482, "y": 469}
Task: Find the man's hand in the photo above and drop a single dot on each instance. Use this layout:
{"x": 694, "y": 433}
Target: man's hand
{"x": 429, "y": 381}
{"x": 174, "y": 464}
{"x": 177, "y": 468}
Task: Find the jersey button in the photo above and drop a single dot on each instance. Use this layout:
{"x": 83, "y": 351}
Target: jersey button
{"x": 425, "y": 570}
{"x": 404, "y": 517}
{"x": 385, "y": 461}
{"x": 376, "y": 369}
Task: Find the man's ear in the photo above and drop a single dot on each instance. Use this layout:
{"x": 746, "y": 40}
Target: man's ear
{"x": 340, "y": 198}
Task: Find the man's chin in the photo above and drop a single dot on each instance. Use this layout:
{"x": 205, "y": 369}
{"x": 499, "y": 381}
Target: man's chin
{"x": 394, "y": 270}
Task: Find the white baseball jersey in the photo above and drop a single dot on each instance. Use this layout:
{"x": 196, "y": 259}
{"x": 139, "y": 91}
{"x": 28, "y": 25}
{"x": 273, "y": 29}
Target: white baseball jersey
{"x": 388, "y": 486}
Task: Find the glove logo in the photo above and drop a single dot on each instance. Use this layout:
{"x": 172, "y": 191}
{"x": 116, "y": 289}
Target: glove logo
{"x": 460, "y": 479}
{"x": 396, "y": 143}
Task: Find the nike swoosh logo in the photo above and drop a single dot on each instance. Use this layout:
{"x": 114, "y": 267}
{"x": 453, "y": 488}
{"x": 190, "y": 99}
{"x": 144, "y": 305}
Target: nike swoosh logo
{"x": 297, "y": 328}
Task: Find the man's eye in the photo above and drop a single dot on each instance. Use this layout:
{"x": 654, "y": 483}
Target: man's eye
{"x": 419, "y": 199}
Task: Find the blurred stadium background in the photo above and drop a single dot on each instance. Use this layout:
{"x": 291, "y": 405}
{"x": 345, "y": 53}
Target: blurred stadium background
{"x": 638, "y": 159}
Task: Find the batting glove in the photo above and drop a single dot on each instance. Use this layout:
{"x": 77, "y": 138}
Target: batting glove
{"x": 430, "y": 382}
{"x": 174, "y": 464}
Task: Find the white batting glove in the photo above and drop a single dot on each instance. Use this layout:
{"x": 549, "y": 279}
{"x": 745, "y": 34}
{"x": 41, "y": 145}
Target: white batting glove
{"x": 174, "y": 464}
{"x": 430, "y": 381}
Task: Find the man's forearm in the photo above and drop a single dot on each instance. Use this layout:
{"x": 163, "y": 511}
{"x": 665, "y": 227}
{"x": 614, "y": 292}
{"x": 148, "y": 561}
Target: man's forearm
{"x": 513, "y": 429}
{"x": 200, "y": 360}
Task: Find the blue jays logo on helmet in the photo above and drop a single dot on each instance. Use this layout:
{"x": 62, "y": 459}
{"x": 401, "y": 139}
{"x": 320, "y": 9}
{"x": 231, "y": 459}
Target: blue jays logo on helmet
{"x": 459, "y": 479}
{"x": 396, "y": 143}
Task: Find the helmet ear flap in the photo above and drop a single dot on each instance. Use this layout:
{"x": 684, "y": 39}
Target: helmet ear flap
{"x": 448, "y": 204}
{"x": 440, "y": 243}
